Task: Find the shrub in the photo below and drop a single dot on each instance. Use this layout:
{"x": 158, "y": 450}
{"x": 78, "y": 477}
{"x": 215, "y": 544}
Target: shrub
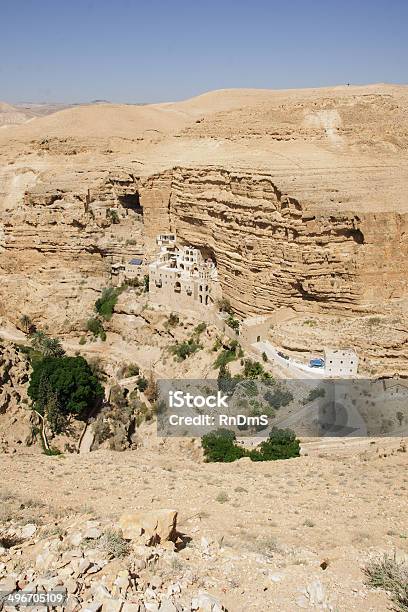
{"x": 217, "y": 345}
{"x": 219, "y": 446}
{"x": 314, "y": 394}
{"x": 114, "y": 544}
{"x": 53, "y": 411}
{"x": 222, "y": 497}
{"x": 106, "y": 303}
{"x": 233, "y": 322}
{"x": 95, "y": 326}
{"x": 112, "y": 215}
{"x": 146, "y": 283}
{"x": 224, "y": 357}
{"x": 72, "y": 381}
{"x": 281, "y": 444}
{"x": 279, "y": 397}
{"x": 142, "y": 383}
{"x": 185, "y": 349}
{"x": 132, "y": 370}
{"x": 26, "y": 323}
{"x": 387, "y": 574}
{"x": 200, "y": 328}
{"x": 151, "y": 391}
{"x": 101, "y": 430}
{"x": 173, "y": 320}
{"x": 82, "y": 340}
{"x": 226, "y": 383}
{"x": 224, "y": 305}
{"x": 250, "y": 388}
{"x": 253, "y": 369}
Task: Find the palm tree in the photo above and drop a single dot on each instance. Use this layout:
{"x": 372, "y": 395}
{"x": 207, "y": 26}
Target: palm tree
{"x": 51, "y": 347}
{"x": 26, "y": 322}
{"x": 38, "y": 339}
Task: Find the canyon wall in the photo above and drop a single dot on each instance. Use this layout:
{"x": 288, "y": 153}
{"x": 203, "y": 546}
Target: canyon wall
{"x": 272, "y": 250}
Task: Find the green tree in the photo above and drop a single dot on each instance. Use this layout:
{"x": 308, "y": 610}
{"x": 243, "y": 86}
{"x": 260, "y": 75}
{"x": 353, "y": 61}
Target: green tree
{"x": 49, "y": 347}
{"x": 71, "y": 379}
{"x": 146, "y": 283}
{"x": 281, "y": 444}
{"x": 219, "y": 446}
{"x": 95, "y": 326}
{"x": 52, "y": 347}
{"x": 107, "y": 302}
{"x": 225, "y": 380}
{"x": 142, "y": 383}
{"x": 53, "y": 413}
{"x": 37, "y": 340}
{"x": 278, "y": 397}
{"x": 253, "y": 369}
{"x": 224, "y": 306}
{"x": 233, "y": 322}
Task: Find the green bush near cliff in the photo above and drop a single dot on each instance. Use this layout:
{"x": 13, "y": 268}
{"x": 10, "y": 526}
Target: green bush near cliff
{"x": 220, "y": 446}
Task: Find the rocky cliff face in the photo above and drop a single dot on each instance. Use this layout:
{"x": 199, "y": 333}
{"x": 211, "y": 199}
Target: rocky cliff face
{"x": 271, "y": 248}
{"x": 15, "y": 423}
{"x": 299, "y": 195}
{"x": 58, "y": 242}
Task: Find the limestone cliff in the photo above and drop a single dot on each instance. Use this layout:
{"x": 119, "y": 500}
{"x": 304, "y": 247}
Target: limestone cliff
{"x": 300, "y": 196}
{"x": 271, "y": 248}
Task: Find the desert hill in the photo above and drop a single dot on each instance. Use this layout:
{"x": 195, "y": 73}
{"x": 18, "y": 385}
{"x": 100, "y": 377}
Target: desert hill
{"x": 10, "y": 115}
{"x": 103, "y": 120}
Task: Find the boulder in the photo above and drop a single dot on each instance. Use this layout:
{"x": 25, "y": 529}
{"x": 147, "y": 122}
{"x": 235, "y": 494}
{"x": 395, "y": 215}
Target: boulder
{"x": 92, "y": 606}
{"x": 131, "y": 607}
{"x": 28, "y": 530}
{"x": 151, "y": 527}
{"x": 206, "y": 603}
{"x": 93, "y": 533}
{"x": 112, "y": 605}
{"x": 315, "y": 592}
{"x": 167, "y": 605}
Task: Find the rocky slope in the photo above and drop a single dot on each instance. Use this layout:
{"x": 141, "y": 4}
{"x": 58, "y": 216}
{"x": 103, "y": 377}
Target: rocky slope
{"x": 254, "y": 537}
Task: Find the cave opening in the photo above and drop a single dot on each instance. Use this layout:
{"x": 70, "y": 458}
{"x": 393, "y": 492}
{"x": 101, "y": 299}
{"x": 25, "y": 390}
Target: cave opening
{"x": 356, "y": 234}
{"x": 131, "y": 201}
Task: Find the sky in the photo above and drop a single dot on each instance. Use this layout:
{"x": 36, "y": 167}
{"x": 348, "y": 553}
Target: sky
{"x": 152, "y": 51}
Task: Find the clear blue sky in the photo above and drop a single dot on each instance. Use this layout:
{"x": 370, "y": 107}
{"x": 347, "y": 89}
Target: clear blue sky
{"x": 157, "y": 50}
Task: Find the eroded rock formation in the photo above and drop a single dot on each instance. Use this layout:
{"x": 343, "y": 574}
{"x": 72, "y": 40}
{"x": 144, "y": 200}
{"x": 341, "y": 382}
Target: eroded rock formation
{"x": 299, "y": 196}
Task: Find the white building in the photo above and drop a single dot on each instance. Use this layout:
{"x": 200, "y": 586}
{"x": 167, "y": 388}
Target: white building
{"x": 181, "y": 278}
{"x": 133, "y": 269}
{"x": 340, "y": 362}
